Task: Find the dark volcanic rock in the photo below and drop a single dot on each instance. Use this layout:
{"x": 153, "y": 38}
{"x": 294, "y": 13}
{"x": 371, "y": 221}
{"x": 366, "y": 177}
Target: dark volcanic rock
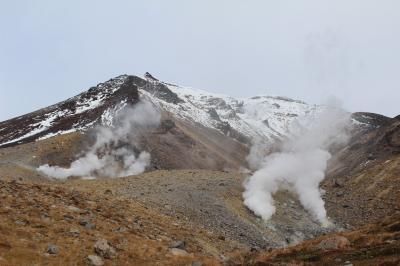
{"x": 161, "y": 91}
{"x": 213, "y": 114}
{"x": 372, "y": 119}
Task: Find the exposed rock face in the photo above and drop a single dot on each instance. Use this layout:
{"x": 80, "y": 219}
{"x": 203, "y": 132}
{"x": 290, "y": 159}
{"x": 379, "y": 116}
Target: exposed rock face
{"x": 213, "y": 114}
{"x": 161, "y": 91}
{"x": 149, "y": 76}
{"x": 376, "y": 120}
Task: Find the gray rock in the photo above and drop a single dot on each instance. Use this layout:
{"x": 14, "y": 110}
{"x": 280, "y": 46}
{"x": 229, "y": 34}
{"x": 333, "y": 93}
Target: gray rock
{"x": 73, "y": 209}
{"x": 68, "y": 217}
{"x": 167, "y": 125}
{"x": 74, "y": 232}
{"x": 108, "y": 192}
{"x": 339, "y": 194}
{"x": 197, "y": 263}
{"x": 213, "y": 114}
{"x": 121, "y": 229}
{"x": 52, "y": 249}
{"x": 178, "y": 252}
{"x": 177, "y": 244}
{"x": 87, "y": 224}
{"x": 94, "y": 260}
{"x": 103, "y": 249}
{"x": 339, "y": 183}
{"x": 20, "y": 222}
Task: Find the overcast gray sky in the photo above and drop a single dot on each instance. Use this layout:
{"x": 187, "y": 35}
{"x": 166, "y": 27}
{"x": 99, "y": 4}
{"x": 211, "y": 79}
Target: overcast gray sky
{"x": 303, "y": 49}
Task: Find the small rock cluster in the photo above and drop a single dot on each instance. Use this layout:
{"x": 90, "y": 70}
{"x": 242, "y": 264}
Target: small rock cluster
{"x": 103, "y": 250}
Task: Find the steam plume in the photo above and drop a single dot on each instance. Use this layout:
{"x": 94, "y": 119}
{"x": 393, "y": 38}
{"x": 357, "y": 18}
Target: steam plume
{"x": 300, "y": 164}
{"x": 113, "y": 153}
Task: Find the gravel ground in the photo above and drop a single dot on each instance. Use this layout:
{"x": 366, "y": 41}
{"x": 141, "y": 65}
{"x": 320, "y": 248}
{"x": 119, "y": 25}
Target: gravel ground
{"x": 212, "y": 200}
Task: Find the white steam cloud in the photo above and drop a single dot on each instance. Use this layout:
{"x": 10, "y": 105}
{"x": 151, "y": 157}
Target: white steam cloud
{"x": 300, "y": 164}
{"x": 114, "y": 153}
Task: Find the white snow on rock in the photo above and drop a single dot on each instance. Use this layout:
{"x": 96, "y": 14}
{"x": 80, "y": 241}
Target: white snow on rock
{"x": 256, "y": 117}
{"x": 38, "y": 127}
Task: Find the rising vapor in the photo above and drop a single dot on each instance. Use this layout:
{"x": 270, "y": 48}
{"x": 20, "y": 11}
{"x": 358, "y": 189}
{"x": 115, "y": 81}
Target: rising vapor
{"x": 114, "y": 152}
{"x": 300, "y": 164}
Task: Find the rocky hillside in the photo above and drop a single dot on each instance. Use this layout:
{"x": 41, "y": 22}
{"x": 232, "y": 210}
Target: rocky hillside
{"x": 363, "y": 183}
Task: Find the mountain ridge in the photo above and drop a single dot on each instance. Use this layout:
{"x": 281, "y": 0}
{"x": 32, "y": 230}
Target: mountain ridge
{"x": 242, "y": 119}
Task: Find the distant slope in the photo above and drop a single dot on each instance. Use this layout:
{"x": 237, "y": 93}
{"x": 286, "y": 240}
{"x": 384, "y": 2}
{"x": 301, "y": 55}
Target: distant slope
{"x": 363, "y": 181}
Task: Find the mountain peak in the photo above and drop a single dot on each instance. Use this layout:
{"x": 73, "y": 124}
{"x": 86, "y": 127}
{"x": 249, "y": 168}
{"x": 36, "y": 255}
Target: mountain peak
{"x": 150, "y": 77}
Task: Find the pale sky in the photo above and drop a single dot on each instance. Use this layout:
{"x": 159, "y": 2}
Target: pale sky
{"x": 304, "y": 49}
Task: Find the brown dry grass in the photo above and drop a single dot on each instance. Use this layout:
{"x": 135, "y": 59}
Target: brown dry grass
{"x": 32, "y": 217}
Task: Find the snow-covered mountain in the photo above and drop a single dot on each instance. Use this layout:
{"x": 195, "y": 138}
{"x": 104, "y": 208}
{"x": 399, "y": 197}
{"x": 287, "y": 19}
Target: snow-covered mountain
{"x": 242, "y": 119}
{"x": 255, "y": 117}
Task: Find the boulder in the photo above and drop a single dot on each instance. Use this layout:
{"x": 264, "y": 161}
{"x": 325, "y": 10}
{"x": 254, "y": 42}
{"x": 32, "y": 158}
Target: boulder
{"x": 177, "y": 244}
{"x": 94, "y": 260}
{"x": 103, "y": 249}
{"x": 52, "y": 249}
{"x": 179, "y": 252}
